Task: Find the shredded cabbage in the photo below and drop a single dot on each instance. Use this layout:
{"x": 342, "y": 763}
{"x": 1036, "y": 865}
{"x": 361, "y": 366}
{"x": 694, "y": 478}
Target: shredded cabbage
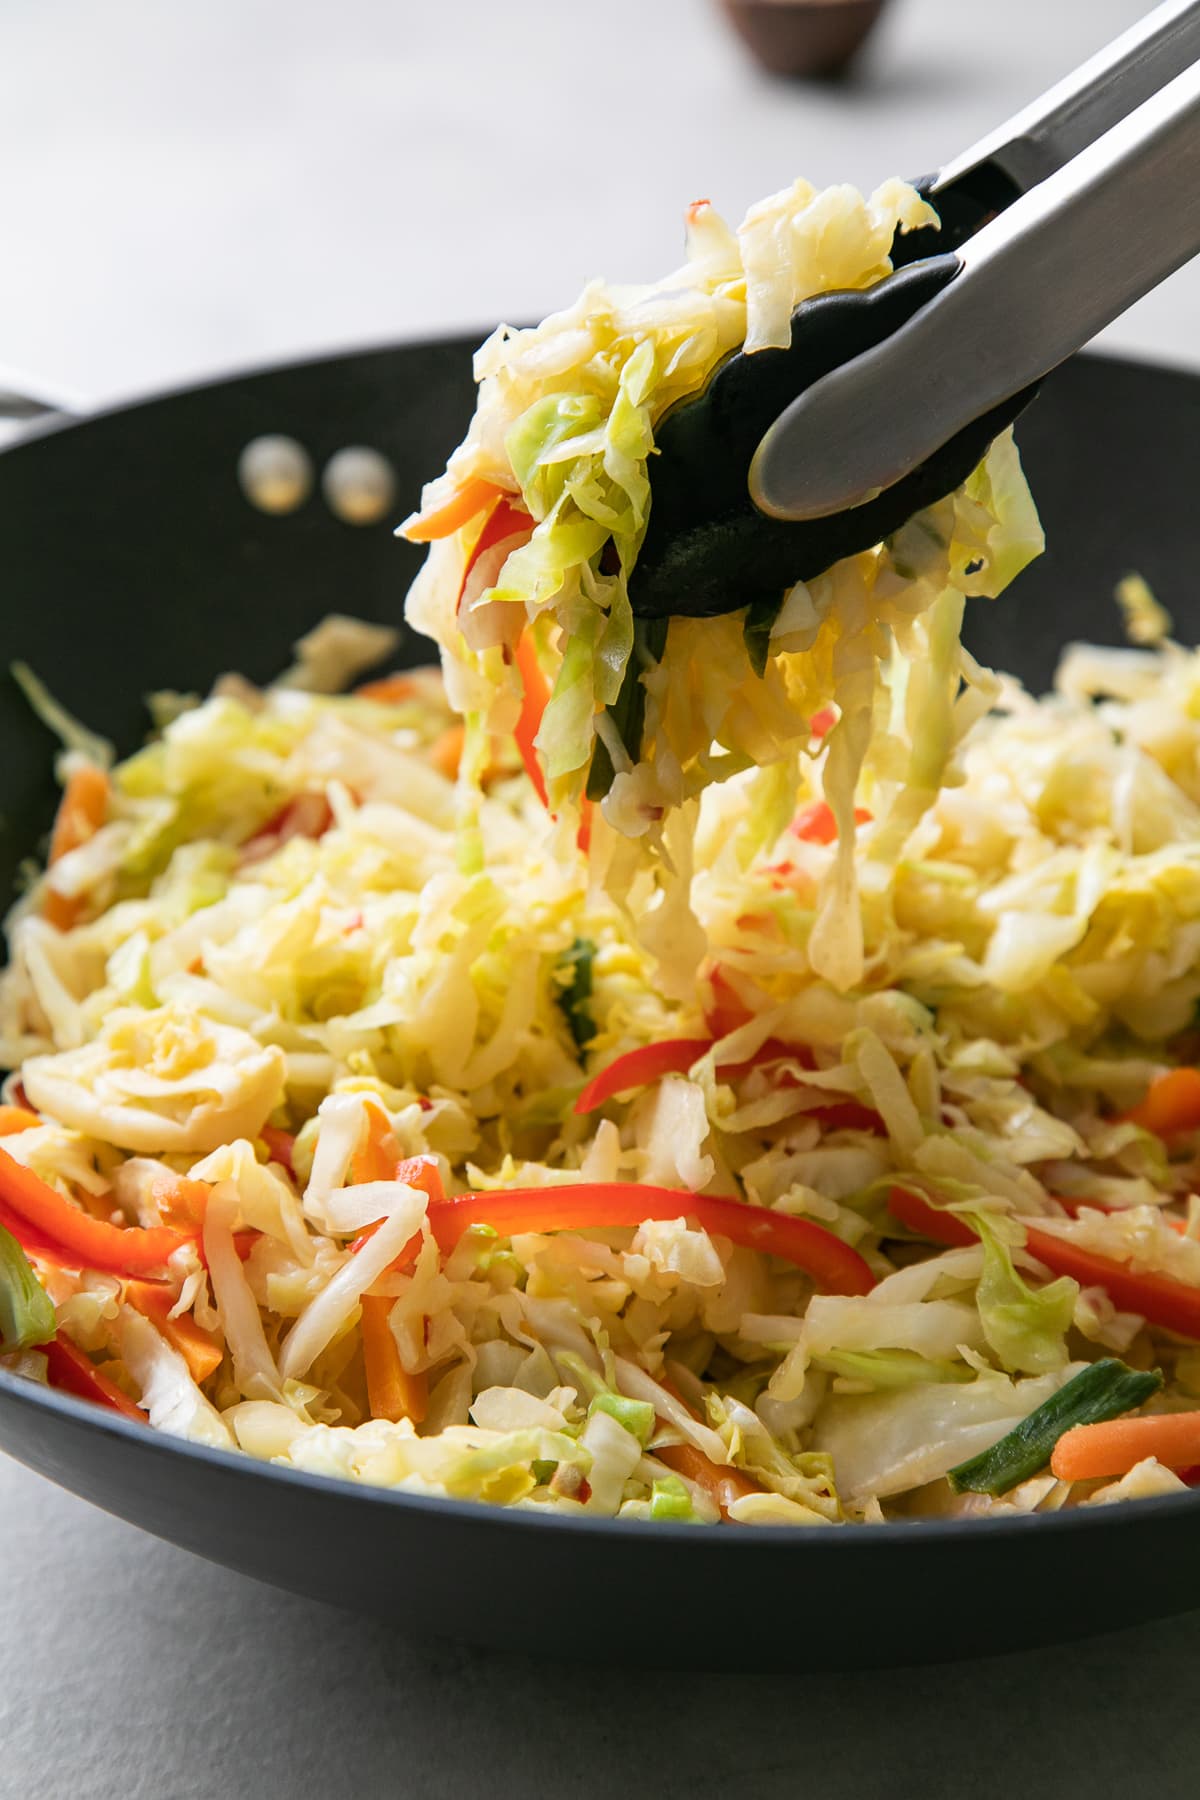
{"x": 863, "y": 916}
{"x": 564, "y": 428}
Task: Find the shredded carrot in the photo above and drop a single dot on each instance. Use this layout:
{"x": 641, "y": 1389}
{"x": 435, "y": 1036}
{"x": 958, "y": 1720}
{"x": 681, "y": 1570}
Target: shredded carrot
{"x": 464, "y": 503}
{"x": 81, "y": 812}
{"x": 391, "y": 1391}
{"x": 378, "y": 1156}
{"x": 445, "y": 753}
{"x": 179, "y": 1201}
{"x": 533, "y": 705}
{"x": 16, "y": 1118}
{"x": 1171, "y": 1104}
{"x": 199, "y": 1349}
{"x": 725, "y": 1483}
{"x": 389, "y": 690}
{"x": 1118, "y": 1445}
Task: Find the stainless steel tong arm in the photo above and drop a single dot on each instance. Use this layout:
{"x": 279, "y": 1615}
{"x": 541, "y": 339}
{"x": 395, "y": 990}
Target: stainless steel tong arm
{"x": 1078, "y": 109}
{"x": 1032, "y": 287}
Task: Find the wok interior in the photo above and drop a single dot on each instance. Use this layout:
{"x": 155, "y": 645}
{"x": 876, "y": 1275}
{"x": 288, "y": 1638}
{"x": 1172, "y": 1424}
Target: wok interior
{"x": 133, "y": 562}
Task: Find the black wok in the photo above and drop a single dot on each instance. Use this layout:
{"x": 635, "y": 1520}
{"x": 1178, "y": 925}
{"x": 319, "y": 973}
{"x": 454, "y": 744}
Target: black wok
{"x": 131, "y": 561}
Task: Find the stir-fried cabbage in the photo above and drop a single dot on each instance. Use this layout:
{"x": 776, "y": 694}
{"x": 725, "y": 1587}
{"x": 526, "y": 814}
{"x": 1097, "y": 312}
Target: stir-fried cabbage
{"x": 898, "y": 967}
{"x": 563, "y": 433}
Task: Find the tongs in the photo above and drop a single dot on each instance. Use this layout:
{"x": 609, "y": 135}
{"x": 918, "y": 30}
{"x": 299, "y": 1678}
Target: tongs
{"x": 888, "y": 396}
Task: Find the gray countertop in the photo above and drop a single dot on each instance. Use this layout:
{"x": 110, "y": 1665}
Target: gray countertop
{"x": 186, "y": 189}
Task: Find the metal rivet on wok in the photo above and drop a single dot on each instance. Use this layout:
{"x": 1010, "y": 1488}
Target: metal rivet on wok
{"x": 275, "y": 473}
{"x": 359, "y": 485}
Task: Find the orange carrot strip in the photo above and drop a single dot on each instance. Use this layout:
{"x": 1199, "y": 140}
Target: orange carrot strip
{"x": 378, "y": 1157}
{"x": 533, "y": 705}
{"x": 388, "y": 690}
{"x": 391, "y": 1391}
{"x": 154, "y": 1300}
{"x": 16, "y": 1118}
{"x": 464, "y": 503}
{"x": 445, "y": 753}
{"x": 179, "y": 1201}
{"x": 1170, "y": 1105}
{"x": 81, "y": 812}
{"x": 1113, "y": 1448}
{"x": 723, "y": 1482}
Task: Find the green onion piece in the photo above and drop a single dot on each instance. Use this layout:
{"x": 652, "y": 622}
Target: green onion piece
{"x": 1104, "y": 1390}
{"x": 890, "y": 1368}
{"x": 636, "y": 1416}
{"x": 543, "y": 1472}
{"x": 26, "y": 1309}
{"x": 669, "y": 1499}
{"x": 575, "y": 966}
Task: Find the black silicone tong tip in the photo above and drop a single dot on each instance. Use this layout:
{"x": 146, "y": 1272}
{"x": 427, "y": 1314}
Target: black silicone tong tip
{"x": 963, "y": 208}
{"x": 707, "y": 548}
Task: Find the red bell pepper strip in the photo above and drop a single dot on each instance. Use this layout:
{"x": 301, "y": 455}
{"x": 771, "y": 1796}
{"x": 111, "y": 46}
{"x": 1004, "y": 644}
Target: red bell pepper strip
{"x": 305, "y": 815}
{"x": 280, "y": 1145}
{"x": 69, "y": 1369}
{"x": 930, "y": 1221}
{"x": 415, "y": 1171}
{"x": 506, "y": 520}
{"x": 822, "y": 722}
{"x": 727, "y": 1009}
{"x": 123, "y": 1249}
{"x": 847, "y": 1115}
{"x": 34, "y": 1242}
{"x": 675, "y": 1056}
{"x": 1074, "y": 1207}
{"x": 1170, "y": 1106}
{"x": 638, "y": 1068}
{"x": 600, "y": 1205}
{"x": 815, "y": 823}
{"x": 1160, "y": 1299}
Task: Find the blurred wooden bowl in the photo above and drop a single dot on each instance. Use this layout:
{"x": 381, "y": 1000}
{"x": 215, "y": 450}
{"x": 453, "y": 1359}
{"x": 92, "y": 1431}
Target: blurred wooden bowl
{"x": 803, "y": 37}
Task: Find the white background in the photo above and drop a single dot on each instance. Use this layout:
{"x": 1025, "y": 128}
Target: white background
{"x": 188, "y": 188}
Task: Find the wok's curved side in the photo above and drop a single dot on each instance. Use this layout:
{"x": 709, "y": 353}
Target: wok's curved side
{"x": 680, "y": 1596}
